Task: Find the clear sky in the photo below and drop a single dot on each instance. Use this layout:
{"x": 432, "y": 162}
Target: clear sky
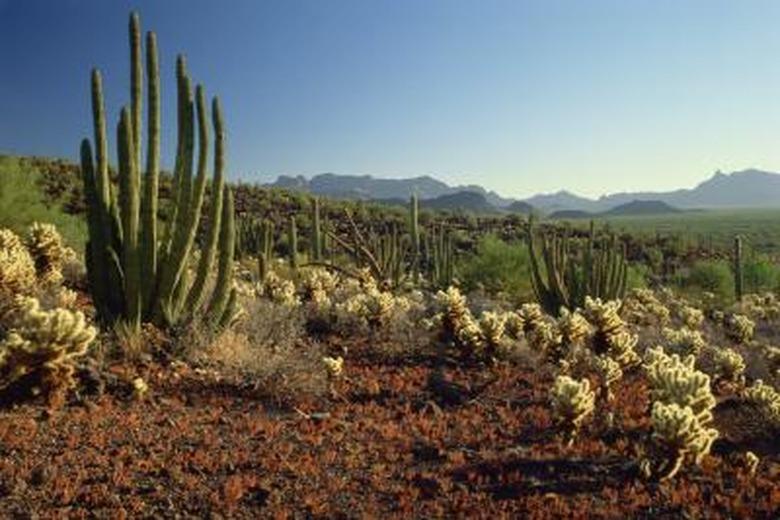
{"x": 519, "y": 96}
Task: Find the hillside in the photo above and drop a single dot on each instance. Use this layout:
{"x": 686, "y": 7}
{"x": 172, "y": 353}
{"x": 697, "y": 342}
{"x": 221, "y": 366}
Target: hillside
{"x": 641, "y": 207}
{"x": 462, "y": 201}
{"x": 635, "y": 208}
{"x": 367, "y": 187}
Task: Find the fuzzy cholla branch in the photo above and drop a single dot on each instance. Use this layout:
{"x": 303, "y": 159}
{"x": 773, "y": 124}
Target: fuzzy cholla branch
{"x": 612, "y": 335}
{"x": 43, "y": 343}
{"x": 680, "y": 432}
{"x": 767, "y": 399}
{"x": 17, "y": 268}
{"x": 572, "y": 401}
{"x": 682, "y": 410}
{"x": 48, "y": 251}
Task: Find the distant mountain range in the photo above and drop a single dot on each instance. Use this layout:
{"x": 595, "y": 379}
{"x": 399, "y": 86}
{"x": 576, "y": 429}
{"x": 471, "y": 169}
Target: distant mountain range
{"x": 743, "y": 189}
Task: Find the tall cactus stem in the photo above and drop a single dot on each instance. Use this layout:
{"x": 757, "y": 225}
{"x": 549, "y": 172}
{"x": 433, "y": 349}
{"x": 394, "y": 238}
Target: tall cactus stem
{"x": 150, "y": 202}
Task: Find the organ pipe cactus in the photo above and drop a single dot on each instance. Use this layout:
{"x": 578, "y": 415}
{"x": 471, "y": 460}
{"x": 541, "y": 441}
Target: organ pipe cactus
{"x": 414, "y": 232}
{"x": 568, "y": 275}
{"x": 134, "y": 274}
{"x": 440, "y": 255}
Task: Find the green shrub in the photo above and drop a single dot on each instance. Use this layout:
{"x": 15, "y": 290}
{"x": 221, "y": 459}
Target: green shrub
{"x": 637, "y": 276}
{"x": 713, "y": 276}
{"x": 760, "y": 274}
{"x": 498, "y": 267}
{"x": 22, "y": 203}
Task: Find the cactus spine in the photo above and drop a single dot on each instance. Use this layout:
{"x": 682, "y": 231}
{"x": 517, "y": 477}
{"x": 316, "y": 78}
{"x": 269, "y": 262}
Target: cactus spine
{"x": 738, "y": 274}
{"x": 133, "y": 276}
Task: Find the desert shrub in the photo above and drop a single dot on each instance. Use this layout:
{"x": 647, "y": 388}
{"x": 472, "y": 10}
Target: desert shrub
{"x": 760, "y": 274}
{"x": 498, "y": 267}
{"x": 265, "y": 348}
{"x": 711, "y": 276}
{"x": 22, "y": 203}
{"x": 636, "y": 277}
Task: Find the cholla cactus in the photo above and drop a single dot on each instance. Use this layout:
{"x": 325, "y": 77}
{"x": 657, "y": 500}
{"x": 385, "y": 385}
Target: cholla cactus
{"x": 675, "y": 380}
{"x": 739, "y": 328}
{"x": 679, "y": 431}
{"x": 612, "y": 335}
{"x": 42, "y": 342}
{"x": 334, "y": 366}
{"x": 48, "y": 251}
{"x": 643, "y": 307}
{"x": 514, "y": 325}
{"x": 608, "y": 371}
{"x": 574, "y": 328}
{"x": 767, "y": 399}
{"x": 684, "y": 341}
{"x": 492, "y": 328}
{"x": 691, "y": 316}
{"x": 572, "y": 401}
{"x": 729, "y": 364}
{"x": 470, "y": 336}
{"x": 378, "y": 307}
{"x": 17, "y": 268}
{"x": 316, "y": 284}
{"x": 540, "y": 331}
{"x": 280, "y": 290}
{"x": 455, "y": 311}
{"x": 755, "y": 306}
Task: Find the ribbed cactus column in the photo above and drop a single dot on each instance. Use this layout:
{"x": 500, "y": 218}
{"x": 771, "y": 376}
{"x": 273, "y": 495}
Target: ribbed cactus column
{"x": 293, "y": 243}
{"x": 414, "y": 231}
{"x": 224, "y": 283}
{"x": 129, "y": 208}
{"x": 134, "y": 276}
{"x": 149, "y": 201}
{"x": 265, "y": 257}
{"x": 196, "y": 294}
{"x": 738, "y": 274}
{"x": 316, "y": 239}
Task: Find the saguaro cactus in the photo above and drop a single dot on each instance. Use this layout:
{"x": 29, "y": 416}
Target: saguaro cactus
{"x": 738, "y": 275}
{"x": 133, "y": 275}
{"x": 293, "y": 243}
{"x": 265, "y": 257}
{"x": 316, "y": 235}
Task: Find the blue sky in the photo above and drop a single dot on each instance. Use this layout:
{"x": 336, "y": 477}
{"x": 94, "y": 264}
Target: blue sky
{"x": 519, "y": 96}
